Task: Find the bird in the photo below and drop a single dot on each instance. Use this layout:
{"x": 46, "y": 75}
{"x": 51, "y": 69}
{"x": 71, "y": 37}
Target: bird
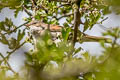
{"x": 38, "y": 28}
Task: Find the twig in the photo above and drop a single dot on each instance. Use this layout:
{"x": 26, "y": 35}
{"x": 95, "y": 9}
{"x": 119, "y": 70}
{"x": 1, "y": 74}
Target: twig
{"x": 4, "y": 59}
{"x": 34, "y": 6}
{"x": 17, "y": 27}
{"x": 25, "y": 9}
{"x": 63, "y": 5}
{"x": 33, "y": 3}
{"x": 41, "y": 7}
{"x": 89, "y": 38}
{"x": 104, "y": 19}
{"x": 101, "y": 26}
{"x": 65, "y": 15}
{"x": 59, "y": 0}
{"x": 9, "y": 53}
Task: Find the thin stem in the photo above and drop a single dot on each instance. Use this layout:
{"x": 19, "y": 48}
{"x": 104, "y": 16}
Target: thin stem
{"x": 25, "y": 9}
{"x": 67, "y": 4}
{"x": 59, "y": 0}
{"x": 9, "y": 53}
{"x": 42, "y": 7}
{"x": 17, "y": 28}
{"x": 65, "y": 15}
{"x": 10, "y": 68}
{"x": 33, "y": 3}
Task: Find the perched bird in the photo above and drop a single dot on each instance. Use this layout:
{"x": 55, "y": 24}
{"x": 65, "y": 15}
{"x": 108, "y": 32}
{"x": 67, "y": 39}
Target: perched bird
{"x": 38, "y": 28}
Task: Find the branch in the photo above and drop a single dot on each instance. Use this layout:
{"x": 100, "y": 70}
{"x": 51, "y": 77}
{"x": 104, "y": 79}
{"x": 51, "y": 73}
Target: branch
{"x": 76, "y": 24}
{"x": 59, "y": 0}
{"x": 63, "y": 5}
{"x": 9, "y": 53}
{"x": 16, "y": 28}
{"x": 65, "y": 15}
{"x": 41, "y": 7}
{"x": 101, "y": 26}
{"x": 34, "y": 3}
{"x": 77, "y": 20}
{"x": 89, "y": 38}
{"x": 25, "y": 9}
{"x": 4, "y": 59}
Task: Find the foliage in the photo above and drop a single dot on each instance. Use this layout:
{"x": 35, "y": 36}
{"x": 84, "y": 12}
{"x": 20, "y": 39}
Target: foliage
{"x": 58, "y": 61}
{"x": 109, "y": 63}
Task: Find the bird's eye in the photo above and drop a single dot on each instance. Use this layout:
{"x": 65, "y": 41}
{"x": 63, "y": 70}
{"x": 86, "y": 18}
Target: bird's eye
{"x": 43, "y": 27}
{"x": 34, "y": 23}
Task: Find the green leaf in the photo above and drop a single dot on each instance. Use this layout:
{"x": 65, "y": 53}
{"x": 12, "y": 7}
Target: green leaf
{"x": 13, "y": 43}
{"x": 20, "y": 35}
{"x": 3, "y": 39}
{"x": 29, "y": 57}
{"x": 86, "y": 25}
{"x": 65, "y": 33}
{"x": 78, "y": 50}
{"x": 16, "y": 12}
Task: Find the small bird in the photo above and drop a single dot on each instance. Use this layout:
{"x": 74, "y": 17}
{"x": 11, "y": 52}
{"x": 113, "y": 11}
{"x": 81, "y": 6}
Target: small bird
{"x": 38, "y": 28}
